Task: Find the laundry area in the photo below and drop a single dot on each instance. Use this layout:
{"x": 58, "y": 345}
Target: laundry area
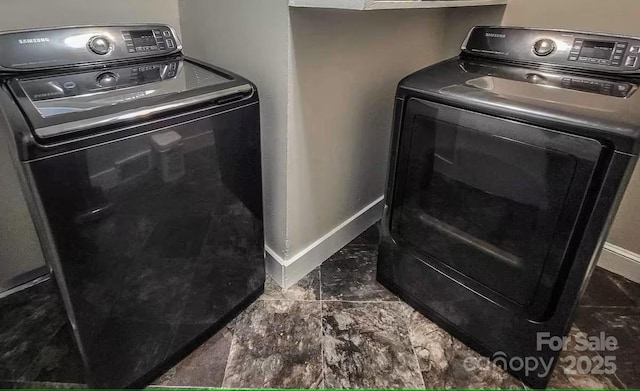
{"x": 325, "y": 194}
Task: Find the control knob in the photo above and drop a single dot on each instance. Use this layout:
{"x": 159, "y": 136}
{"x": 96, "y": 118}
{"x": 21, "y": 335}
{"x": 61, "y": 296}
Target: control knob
{"x": 99, "y": 45}
{"x": 544, "y": 47}
{"x": 107, "y": 79}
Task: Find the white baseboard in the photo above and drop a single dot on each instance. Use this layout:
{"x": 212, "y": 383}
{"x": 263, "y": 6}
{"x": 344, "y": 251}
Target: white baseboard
{"x": 620, "y": 261}
{"x": 288, "y": 272}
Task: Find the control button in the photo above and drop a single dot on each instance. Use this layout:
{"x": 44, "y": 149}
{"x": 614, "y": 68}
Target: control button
{"x": 166, "y": 33}
{"x": 634, "y": 49}
{"x": 157, "y": 33}
{"x": 132, "y": 50}
{"x": 593, "y": 60}
{"x": 69, "y": 85}
{"x": 622, "y": 45}
{"x": 170, "y": 44}
{"x": 573, "y": 58}
{"x": 583, "y": 58}
{"x": 107, "y": 79}
{"x": 99, "y": 45}
{"x": 544, "y": 47}
{"x": 630, "y": 61}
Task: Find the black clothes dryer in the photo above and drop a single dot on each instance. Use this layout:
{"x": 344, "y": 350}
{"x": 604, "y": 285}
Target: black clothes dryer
{"x": 507, "y": 166}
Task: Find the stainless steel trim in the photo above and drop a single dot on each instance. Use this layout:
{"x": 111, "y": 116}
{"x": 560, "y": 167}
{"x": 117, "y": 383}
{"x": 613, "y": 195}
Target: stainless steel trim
{"x": 605, "y": 34}
{"x": 463, "y": 47}
{"x": 176, "y": 50}
{"x": 76, "y": 126}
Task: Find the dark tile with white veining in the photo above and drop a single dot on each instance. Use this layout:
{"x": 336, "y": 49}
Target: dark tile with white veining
{"x": 605, "y": 289}
{"x": 58, "y": 362}
{"x": 204, "y": 367}
{"x": 446, "y": 362}
{"x": 308, "y": 288}
{"x": 28, "y": 321}
{"x": 350, "y": 275}
{"x": 630, "y": 288}
{"x": 366, "y": 345}
{"x": 369, "y": 237}
{"x": 276, "y": 344}
{"x": 569, "y": 374}
{"x": 624, "y": 325}
{"x": 7, "y": 384}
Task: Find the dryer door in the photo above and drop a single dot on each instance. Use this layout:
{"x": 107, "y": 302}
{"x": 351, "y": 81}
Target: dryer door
{"x": 494, "y": 206}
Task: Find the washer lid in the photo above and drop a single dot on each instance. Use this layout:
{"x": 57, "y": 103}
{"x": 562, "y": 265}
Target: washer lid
{"x": 63, "y": 103}
{"x": 587, "y": 104}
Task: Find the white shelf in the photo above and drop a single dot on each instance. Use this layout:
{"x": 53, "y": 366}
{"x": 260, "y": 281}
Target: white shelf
{"x": 367, "y": 5}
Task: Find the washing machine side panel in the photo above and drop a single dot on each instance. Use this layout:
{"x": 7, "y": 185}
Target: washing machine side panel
{"x": 159, "y": 239}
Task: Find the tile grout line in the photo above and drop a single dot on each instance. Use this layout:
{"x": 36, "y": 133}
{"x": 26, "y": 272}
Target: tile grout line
{"x": 231, "y": 345}
{"x": 413, "y": 349}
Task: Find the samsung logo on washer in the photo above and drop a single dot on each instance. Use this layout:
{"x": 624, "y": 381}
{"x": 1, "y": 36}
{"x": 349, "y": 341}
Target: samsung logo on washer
{"x": 495, "y": 35}
{"x": 33, "y": 40}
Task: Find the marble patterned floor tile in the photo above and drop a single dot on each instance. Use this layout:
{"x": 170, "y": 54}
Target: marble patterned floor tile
{"x": 366, "y": 345}
{"x": 607, "y": 289}
{"x": 369, "y": 237}
{"x": 204, "y": 367}
{"x": 308, "y": 288}
{"x": 630, "y": 288}
{"x": 446, "y": 362}
{"x": 566, "y": 375}
{"x": 29, "y": 319}
{"x": 276, "y": 344}
{"x": 350, "y": 275}
{"x": 5, "y": 384}
{"x": 624, "y": 325}
{"x": 58, "y": 362}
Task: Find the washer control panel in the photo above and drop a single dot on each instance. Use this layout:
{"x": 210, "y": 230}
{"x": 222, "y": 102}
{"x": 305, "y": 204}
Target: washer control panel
{"x": 598, "y": 52}
{"x": 67, "y": 47}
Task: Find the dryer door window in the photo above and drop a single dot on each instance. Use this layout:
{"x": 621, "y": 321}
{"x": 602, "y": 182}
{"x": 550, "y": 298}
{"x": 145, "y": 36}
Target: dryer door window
{"x": 493, "y": 203}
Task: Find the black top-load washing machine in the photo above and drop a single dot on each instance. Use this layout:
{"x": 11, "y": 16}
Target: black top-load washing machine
{"x": 507, "y": 165}
{"x": 142, "y": 172}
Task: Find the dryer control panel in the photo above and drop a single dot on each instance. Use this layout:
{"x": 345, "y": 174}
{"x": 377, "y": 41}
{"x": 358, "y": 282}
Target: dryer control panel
{"x": 570, "y": 49}
{"x": 72, "y": 46}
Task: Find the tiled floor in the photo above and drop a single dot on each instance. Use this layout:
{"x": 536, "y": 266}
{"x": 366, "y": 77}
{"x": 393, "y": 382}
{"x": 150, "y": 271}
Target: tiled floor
{"x": 337, "y": 328}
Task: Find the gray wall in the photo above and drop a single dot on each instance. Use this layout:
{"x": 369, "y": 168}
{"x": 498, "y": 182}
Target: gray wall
{"x": 23, "y": 14}
{"x": 251, "y": 37}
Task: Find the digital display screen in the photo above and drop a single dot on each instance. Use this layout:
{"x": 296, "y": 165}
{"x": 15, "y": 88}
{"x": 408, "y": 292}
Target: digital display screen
{"x": 599, "y": 50}
{"x": 143, "y": 38}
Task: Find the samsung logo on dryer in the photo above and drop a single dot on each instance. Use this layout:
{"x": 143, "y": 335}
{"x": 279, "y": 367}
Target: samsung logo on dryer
{"x": 27, "y": 41}
{"x": 495, "y": 35}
